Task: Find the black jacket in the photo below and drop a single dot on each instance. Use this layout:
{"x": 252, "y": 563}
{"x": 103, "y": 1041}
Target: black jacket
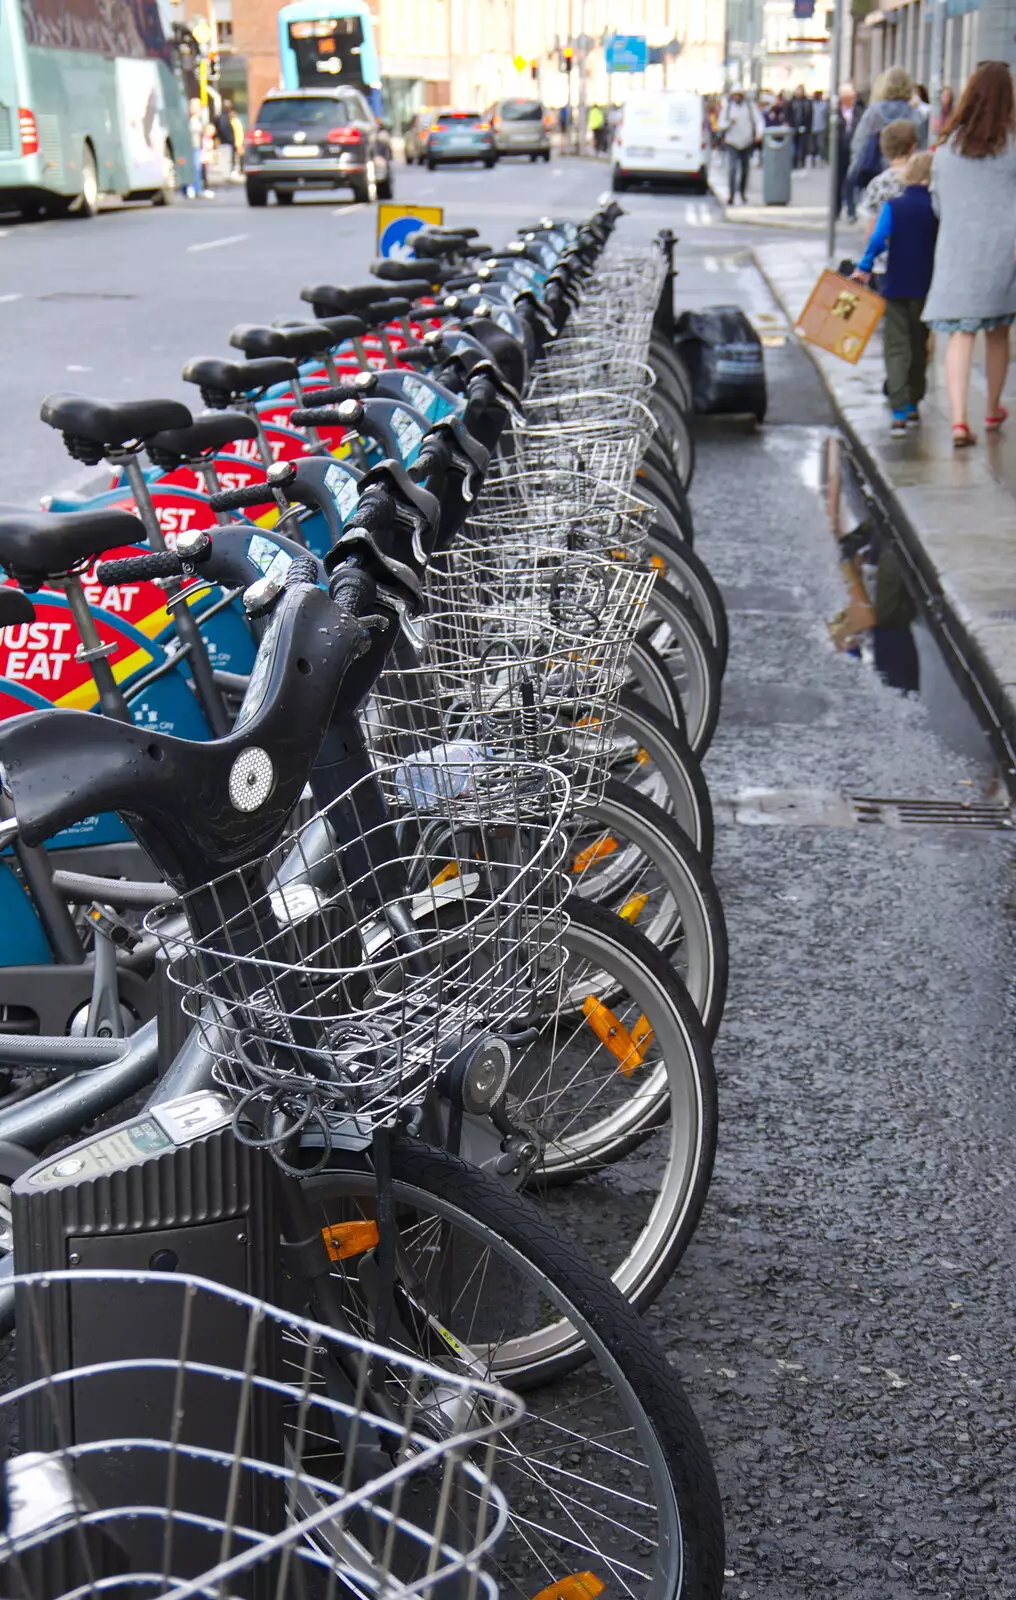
{"x": 799, "y": 113}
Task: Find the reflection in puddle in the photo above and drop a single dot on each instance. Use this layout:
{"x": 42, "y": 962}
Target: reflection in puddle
{"x": 877, "y": 621}
{"x": 882, "y": 623}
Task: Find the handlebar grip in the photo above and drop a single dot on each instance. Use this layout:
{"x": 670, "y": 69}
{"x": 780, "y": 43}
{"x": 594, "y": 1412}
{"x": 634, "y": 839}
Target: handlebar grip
{"x": 160, "y": 564}
{"x": 328, "y": 416}
{"x": 256, "y": 494}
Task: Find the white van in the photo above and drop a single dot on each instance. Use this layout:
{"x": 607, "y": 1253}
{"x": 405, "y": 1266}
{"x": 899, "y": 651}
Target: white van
{"x": 661, "y": 134}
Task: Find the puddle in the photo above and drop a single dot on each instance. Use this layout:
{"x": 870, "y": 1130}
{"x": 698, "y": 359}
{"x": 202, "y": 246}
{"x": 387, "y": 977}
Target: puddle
{"x": 881, "y": 622}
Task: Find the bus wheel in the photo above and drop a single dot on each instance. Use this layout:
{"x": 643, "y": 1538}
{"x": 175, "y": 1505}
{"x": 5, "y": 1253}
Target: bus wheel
{"x": 167, "y": 194}
{"x": 88, "y": 201}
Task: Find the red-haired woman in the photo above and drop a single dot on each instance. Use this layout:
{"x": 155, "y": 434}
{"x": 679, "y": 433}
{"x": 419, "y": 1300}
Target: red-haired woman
{"x": 973, "y": 289}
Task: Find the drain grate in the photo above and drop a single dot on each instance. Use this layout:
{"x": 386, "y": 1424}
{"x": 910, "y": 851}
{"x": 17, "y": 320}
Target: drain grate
{"x": 822, "y": 808}
{"x": 897, "y": 813}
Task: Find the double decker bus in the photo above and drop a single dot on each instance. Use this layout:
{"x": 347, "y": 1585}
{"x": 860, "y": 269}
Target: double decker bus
{"x": 322, "y": 45}
{"x": 90, "y": 104}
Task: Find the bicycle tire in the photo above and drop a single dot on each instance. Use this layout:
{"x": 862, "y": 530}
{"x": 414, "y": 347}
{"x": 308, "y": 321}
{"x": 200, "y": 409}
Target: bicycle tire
{"x": 672, "y": 374}
{"x": 654, "y": 757}
{"x": 675, "y": 434}
{"x": 650, "y": 676}
{"x": 664, "y": 489}
{"x": 684, "y": 568}
{"x": 678, "y": 634}
{"x": 683, "y": 1555}
{"x": 685, "y": 920}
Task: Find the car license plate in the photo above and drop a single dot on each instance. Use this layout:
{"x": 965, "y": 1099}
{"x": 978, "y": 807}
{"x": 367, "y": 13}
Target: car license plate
{"x": 301, "y": 149}
{"x": 641, "y": 152}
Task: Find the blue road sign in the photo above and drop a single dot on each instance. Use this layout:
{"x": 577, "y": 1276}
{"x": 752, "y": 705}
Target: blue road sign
{"x": 396, "y": 223}
{"x": 626, "y": 52}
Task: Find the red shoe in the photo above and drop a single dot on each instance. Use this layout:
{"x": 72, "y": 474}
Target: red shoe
{"x": 992, "y": 424}
{"x": 962, "y": 436}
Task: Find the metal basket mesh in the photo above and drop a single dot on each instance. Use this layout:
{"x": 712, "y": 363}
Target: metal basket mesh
{"x": 224, "y": 1447}
{"x": 420, "y": 911}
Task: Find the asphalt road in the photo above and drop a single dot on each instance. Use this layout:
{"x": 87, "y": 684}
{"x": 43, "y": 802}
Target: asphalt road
{"x": 844, "y": 1318}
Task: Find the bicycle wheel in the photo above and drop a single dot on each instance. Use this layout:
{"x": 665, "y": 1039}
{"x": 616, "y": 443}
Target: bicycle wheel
{"x": 671, "y": 373}
{"x": 685, "y": 570}
{"x": 608, "y": 1473}
{"x": 665, "y": 492}
{"x": 651, "y": 677}
{"x": 674, "y": 434}
{"x": 629, "y": 857}
{"x": 680, "y": 638}
{"x": 650, "y": 755}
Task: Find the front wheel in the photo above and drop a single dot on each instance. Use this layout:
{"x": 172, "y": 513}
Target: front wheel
{"x": 608, "y": 1472}
{"x": 386, "y": 187}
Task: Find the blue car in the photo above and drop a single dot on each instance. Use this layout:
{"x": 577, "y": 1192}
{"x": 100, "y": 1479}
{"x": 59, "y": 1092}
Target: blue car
{"x": 460, "y": 136}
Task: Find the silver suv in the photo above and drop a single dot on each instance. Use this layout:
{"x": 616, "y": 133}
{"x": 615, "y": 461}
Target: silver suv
{"x": 520, "y": 128}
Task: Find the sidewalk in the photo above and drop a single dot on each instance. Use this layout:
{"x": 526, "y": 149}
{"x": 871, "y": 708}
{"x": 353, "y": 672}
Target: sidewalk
{"x": 808, "y": 208}
{"x": 955, "y": 511}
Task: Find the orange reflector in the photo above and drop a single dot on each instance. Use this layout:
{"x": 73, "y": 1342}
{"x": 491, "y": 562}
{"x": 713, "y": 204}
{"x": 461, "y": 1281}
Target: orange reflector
{"x": 599, "y": 850}
{"x": 446, "y": 874}
{"x": 642, "y": 755}
{"x": 613, "y": 1033}
{"x": 657, "y": 563}
{"x": 643, "y": 1034}
{"x": 588, "y": 722}
{"x": 345, "y": 1239}
{"x": 633, "y": 908}
{"x": 577, "y": 1586}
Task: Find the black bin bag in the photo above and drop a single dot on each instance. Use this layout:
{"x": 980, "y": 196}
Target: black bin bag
{"x": 723, "y": 355}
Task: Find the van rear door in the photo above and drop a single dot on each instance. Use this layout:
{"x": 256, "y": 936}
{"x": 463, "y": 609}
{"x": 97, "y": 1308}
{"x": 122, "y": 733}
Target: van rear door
{"x": 683, "y": 150}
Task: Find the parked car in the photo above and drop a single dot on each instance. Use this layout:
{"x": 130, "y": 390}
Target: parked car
{"x": 662, "y": 133}
{"x": 417, "y": 134}
{"x": 520, "y": 128}
{"x": 460, "y": 136}
{"x": 317, "y": 139}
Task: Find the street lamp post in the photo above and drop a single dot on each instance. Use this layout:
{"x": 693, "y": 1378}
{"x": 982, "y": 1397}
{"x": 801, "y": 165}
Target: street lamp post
{"x": 834, "y": 128}
{"x": 580, "y": 56}
{"x": 937, "y": 64}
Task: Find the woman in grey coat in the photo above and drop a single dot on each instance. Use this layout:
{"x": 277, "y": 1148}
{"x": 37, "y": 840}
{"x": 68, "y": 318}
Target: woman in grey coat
{"x": 973, "y": 289}
{"x": 892, "y": 102}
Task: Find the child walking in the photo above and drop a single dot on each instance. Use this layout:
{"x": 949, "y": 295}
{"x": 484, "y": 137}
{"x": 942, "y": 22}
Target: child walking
{"x": 909, "y": 226}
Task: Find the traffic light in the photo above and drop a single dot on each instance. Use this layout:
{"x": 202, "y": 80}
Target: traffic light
{"x": 213, "y": 66}
{"x": 567, "y": 56}
{"x": 534, "y": 70}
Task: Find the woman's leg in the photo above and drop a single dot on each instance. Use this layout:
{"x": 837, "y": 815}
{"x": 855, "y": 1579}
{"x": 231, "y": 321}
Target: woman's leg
{"x": 959, "y": 358}
{"x": 996, "y": 366}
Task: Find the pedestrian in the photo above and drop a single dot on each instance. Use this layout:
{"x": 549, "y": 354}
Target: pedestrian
{"x": 563, "y": 117}
{"x": 890, "y": 102}
{"x": 946, "y": 107}
{"x": 226, "y": 134}
{"x": 238, "y": 141}
{"x": 776, "y": 113}
{"x": 819, "y": 127}
{"x": 740, "y": 130}
{"x": 207, "y": 158}
{"x": 596, "y": 123}
{"x": 847, "y": 117}
{"x": 196, "y": 124}
{"x": 799, "y": 118}
{"x": 973, "y": 289}
{"x": 897, "y": 144}
{"x": 907, "y": 226}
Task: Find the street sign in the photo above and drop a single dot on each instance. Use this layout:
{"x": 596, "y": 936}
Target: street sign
{"x": 396, "y": 223}
{"x": 626, "y": 52}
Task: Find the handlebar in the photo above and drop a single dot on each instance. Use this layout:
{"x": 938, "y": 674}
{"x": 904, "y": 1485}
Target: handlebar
{"x": 160, "y": 564}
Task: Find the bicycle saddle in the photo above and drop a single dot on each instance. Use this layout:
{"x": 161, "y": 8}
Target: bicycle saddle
{"x": 222, "y": 382}
{"x": 453, "y": 233}
{"x": 15, "y": 606}
{"x": 35, "y": 545}
{"x": 412, "y": 271}
{"x": 433, "y": 246}
{"x": 340, "y": 328}
{"x": 204, "y": 436}
{"x": 111, "y": 422}
{"x": 309, "y": 339}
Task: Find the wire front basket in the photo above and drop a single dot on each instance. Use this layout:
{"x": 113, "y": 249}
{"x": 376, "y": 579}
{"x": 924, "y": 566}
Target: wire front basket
{"x": 561, "y": 504}
{"x": 524, "y": 653}
{"x": 413, "y": 917}
{"x": 201, "y": 1442}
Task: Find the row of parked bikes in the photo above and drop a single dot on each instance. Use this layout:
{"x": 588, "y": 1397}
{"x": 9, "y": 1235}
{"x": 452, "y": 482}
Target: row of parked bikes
{"x": 360, "y": 953}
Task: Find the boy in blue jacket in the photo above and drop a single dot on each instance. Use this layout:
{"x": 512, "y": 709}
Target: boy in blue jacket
{"x": 909, "y": 227}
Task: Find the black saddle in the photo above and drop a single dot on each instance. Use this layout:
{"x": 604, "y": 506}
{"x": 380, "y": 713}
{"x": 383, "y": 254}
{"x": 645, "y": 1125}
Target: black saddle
{"x": 309, "y": 339}
{"x": 203, "y": 438}
{"x": 224, "y": 382}
{"x": 36, "y": 545}
{"x": 434, "y": 246}
{"x": 15, "y": 606}
{"x": 111, "y": 423}
{"x": 412, "y": 272}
